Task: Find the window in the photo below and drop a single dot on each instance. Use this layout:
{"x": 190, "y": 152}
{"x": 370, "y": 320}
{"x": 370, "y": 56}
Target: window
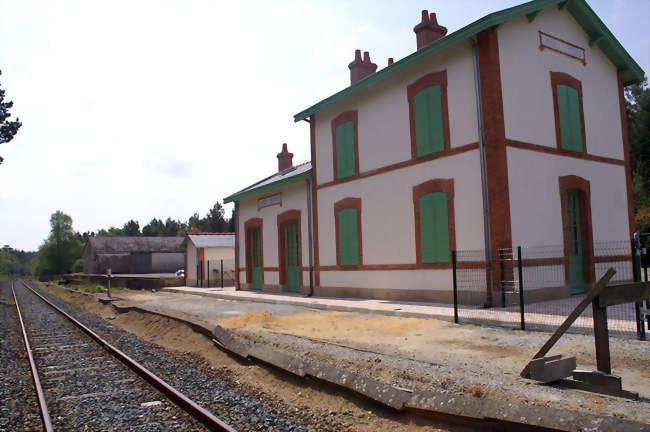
{"x": 434, "y": 227}
{"x": 428, "y": 113}
{"x": 434, "y": 221}
{"x": 345, "y": 145}
{"x": 569, "y": 120}
{"x": 347, "y": 214}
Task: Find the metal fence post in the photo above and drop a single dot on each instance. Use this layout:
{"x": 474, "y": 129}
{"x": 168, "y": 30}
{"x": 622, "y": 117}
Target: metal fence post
{"x": 221, "y": 273}
{"x": 520, "y": 267}
{"x": 636, "y": 271}
{"x": 503, "y": 282}
{"x": 453, "y": 264}
{"x": 208, "y": 264}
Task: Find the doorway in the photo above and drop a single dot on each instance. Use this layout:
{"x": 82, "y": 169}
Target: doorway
{"x": 575, "y": 196}
{"x": 256, "y": 258}
{"x": 291, "y": 261}
{"x": 575, "y": 242}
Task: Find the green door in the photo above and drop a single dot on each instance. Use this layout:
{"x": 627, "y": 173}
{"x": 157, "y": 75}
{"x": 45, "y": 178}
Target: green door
{"x": 292, "y": 269}
{"x": 256, "y": 259}
{"x": 576, "y": 271}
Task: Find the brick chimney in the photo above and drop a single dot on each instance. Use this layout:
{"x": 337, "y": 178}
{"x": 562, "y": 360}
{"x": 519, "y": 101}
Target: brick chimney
{"x": 285, "y": 159}
{"x": 428, "y": 30}
{"x": 360, "y": 69}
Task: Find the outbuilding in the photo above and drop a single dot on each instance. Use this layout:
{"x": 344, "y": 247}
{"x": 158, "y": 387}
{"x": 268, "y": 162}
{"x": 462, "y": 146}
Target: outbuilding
{"x": 133, "y": 255}
{"x": 209, "y": 259}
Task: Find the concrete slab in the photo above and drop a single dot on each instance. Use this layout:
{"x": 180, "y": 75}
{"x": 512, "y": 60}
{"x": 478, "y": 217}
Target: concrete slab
{"x": 501, "y": 414}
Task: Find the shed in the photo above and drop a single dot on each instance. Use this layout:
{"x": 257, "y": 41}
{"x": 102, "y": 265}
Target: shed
{"x": 208, "y": 258}
{"x": 134, "y": 255}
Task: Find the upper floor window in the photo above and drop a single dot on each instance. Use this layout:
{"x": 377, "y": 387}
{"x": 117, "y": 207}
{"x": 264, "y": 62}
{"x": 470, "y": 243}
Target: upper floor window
{"x": 428, "y": 114}
{"x": 569, "y": 118}
{"x": 347, "y": 214}
{"x": 345, "y": 145}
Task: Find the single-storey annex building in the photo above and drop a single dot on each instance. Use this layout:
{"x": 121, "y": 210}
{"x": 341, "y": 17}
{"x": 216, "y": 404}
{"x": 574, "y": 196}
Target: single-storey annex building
{"x": 207, "y": 256}
{"x": 133, "y": 255}
{"x": 510, "y": 131}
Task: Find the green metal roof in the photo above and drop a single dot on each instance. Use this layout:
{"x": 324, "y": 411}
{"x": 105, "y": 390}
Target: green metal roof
{"x": 629, "y": 71}
{"x": 276, "y": 181}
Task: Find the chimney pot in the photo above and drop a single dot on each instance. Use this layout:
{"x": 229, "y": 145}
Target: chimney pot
{"x": 285, "y": 159}
{"x": 428, "y": 30}
{"x": 359, "y": 69}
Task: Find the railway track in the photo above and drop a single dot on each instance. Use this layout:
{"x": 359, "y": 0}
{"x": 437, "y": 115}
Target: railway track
{"x": 83, "y": 382}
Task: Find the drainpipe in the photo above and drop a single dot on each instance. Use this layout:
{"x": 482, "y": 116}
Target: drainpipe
{"x": 236, "y": 216}
{"x": 484, "y": 188}
{"x": 309, "y": 241}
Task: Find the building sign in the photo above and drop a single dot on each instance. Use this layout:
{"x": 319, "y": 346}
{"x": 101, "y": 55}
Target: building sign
{"x": 563, "y": 47}
{"x": 269, "y": 201}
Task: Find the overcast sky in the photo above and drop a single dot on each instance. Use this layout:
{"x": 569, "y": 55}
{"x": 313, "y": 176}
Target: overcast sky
{"x": 143, "y": 109}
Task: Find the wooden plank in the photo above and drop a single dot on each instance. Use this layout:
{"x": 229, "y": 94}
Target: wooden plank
{"x": 601, "y": 337}
{"x": 624, "y": 293}
{"x": 600, "y": 380}
{"x": 591, "y": 295}
{"x": 546, "y": 370}
{"x": 602, "y": 390}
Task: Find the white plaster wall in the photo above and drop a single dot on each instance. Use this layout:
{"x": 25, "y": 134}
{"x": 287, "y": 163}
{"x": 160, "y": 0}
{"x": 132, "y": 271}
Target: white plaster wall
{"x": 294, "y": 197}
{"x": 219, "y": 253}
{"x": 526, "y": 83}
{"x": 384, "y": 129}
{"x": 535, "y": 204}
{"x": 190, "y": 271}
{"x": 395, "y": 279}
{"x": 387, "y": 213}
{"x": 215, "y": 255}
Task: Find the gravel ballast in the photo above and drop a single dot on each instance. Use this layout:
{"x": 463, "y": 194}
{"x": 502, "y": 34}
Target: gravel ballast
{"x": 244, "y": 408}
{"x": 18, "y": 406}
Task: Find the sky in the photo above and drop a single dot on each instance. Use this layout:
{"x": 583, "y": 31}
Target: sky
{"x": 154, "y": 109}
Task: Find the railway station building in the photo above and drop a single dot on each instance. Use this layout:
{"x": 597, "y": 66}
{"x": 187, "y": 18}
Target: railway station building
{"x": 510, "y": 131}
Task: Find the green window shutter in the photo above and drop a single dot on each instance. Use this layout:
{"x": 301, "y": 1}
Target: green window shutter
{"x": 434, "y": 228}
{"x": 345, "y": 163}
{"x": 568, "y": 103}
{"x": 429, "y": 133}
{"x": 348, "y": 237}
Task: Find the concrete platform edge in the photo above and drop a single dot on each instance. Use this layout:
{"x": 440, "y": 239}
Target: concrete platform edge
{"x": 437, "y": 404}
{"x": 319, "y": 306}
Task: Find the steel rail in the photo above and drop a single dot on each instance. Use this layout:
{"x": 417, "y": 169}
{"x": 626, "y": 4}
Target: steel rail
{"x": 45, "y": 414}
{"x": 198, "y": 412}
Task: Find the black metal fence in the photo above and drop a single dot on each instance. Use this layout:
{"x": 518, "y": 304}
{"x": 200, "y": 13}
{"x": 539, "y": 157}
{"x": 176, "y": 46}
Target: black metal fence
{"x": 531, "y": 287}
{"x": 214, "y": 274}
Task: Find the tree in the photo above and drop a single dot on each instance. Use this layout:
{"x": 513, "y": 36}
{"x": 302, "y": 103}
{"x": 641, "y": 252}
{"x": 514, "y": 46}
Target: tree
{"x": 132, "y": 228}
{"x": 231, "y": 222}
{"x": 9, "y": 264}
{"x": 214, "y": 220}
{"x": 8, "y": 129}
{"x": 154, "y": 228}
{"x": 111, "y": 232}
{"x": 61, "y": 249}
{"x": 637, "y": 106}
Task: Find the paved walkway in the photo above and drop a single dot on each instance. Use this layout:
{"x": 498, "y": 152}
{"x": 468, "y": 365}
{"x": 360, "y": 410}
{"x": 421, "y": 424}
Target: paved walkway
{"x": 544, "y": 316}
